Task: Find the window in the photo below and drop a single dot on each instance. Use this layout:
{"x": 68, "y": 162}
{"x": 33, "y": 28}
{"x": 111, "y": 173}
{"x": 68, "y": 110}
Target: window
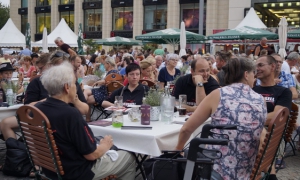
{"x": 69, "y": 18}
{"x": 92, "y": 20}
{"x": 24, "y": 20}
{"x": 43, "y": 2}
{"x": 43, "y": 20}
{"x": 122, "y": 18}
{"x": 155, "y": 17}
{"x": 190, "y": 15}
{"x": 24, "y": 3}
{"x": 66, "y": 1}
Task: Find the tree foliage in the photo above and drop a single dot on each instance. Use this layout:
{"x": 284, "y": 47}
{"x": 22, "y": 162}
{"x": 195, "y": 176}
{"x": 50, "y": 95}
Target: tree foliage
{"x": 92, "y": 47}
{"x": 4, "y": 14}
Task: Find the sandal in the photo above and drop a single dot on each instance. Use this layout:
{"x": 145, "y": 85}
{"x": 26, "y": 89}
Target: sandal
{"x": 280, "y": 164}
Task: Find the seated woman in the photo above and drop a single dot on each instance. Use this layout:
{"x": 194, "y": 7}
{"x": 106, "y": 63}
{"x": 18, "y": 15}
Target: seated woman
{"x": 234, "y": 104}
{"x": 168, "y": 73}
{"x": 99, "y": 94}
{"x": 133, "y": 93}
{"x": 27, "y": 68}
{"x": 81, "y": 157}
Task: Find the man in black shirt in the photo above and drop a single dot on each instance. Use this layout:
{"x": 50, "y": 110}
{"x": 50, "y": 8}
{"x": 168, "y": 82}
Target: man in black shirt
{"x": 134, "y": 92}
{"x": 81, "y": 157}
{"x": 196, "y": 85}
{"x": 260, "y": 47}
{"x": 64, "y": 47}
{"x": 275, "y": 96}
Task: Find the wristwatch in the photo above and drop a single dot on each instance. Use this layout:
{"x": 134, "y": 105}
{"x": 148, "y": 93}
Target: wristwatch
{"x": 200, "y": 84}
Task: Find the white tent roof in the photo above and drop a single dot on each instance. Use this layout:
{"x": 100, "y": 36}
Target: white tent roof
{"x": 10, "y": 36}
{"x": 63, "y": 31}
{"x": 252, "y": 20}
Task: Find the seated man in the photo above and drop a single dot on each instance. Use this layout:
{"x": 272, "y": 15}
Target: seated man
{"x": 196, "y": 85}
{"x": 275, "y": 96}
{"x": 133, "y": 93}
{"x": 81, "y": 157}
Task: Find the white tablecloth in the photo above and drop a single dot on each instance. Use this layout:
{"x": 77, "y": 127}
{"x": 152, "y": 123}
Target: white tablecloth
{"x": 150, "y": 142}
{"x": 8, "y": 111}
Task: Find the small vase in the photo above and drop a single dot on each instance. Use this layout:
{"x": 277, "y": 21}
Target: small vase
{"x": 154, "y": 113}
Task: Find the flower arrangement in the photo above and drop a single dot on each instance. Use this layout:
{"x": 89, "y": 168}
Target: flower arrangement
{"x": 10, "y": 85}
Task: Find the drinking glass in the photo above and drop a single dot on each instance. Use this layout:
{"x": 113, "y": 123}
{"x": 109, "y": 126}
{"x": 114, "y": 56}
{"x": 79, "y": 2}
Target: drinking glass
{"x": 182, "y": 101}
{"x": 119, "y": 101}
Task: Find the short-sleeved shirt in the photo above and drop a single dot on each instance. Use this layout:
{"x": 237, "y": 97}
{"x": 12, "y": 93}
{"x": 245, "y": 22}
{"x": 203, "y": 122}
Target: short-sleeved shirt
{"x": 275, "y": 95}
{"x": 285, "y": 67}
{"x": 130, "y": 98}
{"x": 35, "y": 92}
{"x": 165, "y": 77}
{"x": 287, "y": 80}
{"x": 25, "y": 52}
{"x": 185, "y": 85}
{"x": 65, "y": 47}
{"x": 73, "y": 138}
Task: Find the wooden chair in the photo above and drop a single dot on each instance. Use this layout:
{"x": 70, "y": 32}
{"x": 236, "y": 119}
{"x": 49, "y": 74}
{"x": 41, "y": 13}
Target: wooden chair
{"x": 292, "y": 121}
{"x": 266, "y": 155}
{"x": 39, "y": 141}
{"x": 113, "y": 77}
{"x": 113, "y": 85}
{"x": 147, "y": 82}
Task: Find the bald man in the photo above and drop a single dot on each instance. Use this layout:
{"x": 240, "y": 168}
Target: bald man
{"x": 259, "y": 47}
{"x": 196, "y": 85}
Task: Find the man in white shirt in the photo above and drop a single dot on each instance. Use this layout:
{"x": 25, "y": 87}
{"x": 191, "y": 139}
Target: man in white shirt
{"x": 292, "y": 59}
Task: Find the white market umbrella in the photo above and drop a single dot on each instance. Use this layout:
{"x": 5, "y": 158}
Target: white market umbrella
{"x": 45, "y": 41}
{"x": 182, "y": 40}
{"x": 282, "y": 33}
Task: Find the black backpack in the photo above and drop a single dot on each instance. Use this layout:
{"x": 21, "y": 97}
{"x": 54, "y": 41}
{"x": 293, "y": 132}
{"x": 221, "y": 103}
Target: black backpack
{"x": 17, "y": 162}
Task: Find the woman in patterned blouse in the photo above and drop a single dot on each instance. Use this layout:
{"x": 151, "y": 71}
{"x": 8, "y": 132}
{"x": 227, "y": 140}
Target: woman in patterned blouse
{"x": 234, "y": 104}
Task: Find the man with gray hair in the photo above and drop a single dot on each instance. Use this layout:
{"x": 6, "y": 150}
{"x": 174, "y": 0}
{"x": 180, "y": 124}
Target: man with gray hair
{"x": 64, "y": 47}
{"x": 159, "y": 62}
{"x": 81, "y": 155}
{"x": 291, "y": 60}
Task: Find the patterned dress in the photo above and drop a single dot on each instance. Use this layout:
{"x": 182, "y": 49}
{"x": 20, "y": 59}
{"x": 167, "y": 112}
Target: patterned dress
{"x": 239, "y": 105}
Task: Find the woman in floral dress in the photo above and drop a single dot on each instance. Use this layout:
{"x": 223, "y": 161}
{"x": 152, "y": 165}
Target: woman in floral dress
{"x": 234, "y": 104}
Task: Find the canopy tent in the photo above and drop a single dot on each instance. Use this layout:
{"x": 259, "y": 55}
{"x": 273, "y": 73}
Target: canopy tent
{"x": 117, "y": 41}
{"x": 294, "y": 34}
{"x": 10, "y": 36}
{"x": 63, "y": 31}
{"x": 252, "y": 20}
{"x": 170, "y": 36}
{"x": 243, "y": 33}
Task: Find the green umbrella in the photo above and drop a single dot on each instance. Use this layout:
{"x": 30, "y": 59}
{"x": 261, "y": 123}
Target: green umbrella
{"x": 170, "y": 36}
{"x": 80, "y": 40}
{"x": 28, "y": 36}
{"x": 117, "y": 41}
{"x": 243, "y": 33}
{"x": 294, "y": 34}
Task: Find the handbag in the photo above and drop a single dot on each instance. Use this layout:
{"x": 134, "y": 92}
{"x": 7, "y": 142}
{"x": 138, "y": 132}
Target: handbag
{"x": 17, "y": 162}
{"x": 164, "y": 167}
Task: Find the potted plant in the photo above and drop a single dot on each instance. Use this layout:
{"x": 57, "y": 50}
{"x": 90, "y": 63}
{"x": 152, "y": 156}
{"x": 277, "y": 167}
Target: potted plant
{"x": 153, "y": 100}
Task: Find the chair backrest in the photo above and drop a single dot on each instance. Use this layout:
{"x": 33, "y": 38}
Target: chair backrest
{"x": 266, "y": 155}
{"x": 147, "y": 82}
{"x": 114, "y": 77}
{"x": 114, "y": 85}
{"x": 291, "y": 123}
{"x": 36, "y": 131}
{"x": 89, "y": 70}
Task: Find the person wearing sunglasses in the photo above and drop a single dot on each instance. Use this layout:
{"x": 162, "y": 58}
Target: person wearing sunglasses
{"x": 64, "y": 47}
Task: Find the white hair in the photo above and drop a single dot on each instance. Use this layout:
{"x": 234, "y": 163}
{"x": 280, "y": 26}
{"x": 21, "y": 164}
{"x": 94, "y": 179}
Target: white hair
{"x": 58, "y": 39}
{"x": 158, "y": 56}
{"x": 172, "y": 56}
{"x": 55, "y": 78}
{"x": 293, "y": 56}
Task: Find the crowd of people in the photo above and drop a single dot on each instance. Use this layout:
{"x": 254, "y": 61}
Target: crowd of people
{"x": 230, "y": 88}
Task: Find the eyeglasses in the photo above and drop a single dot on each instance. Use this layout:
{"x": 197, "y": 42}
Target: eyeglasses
{"x": 280, "y": 62}
{"x": 261, "y": 65}
{"x": 176, "y": 60}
